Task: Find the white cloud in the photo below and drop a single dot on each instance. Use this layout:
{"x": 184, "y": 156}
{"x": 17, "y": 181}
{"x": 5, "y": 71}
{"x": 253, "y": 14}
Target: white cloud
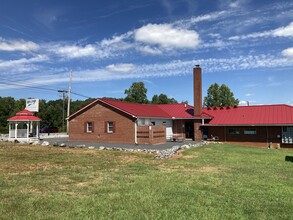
{"x": 253, "y": 35}
{"x": 117, "y": 41}
{"x": 150, "y": 50}
{"x": 284, "y": 31}
{"x": 14, "y": 64}
{"x": 18, "y": 45}
{"x": 165, "y": 35}
{"x": 248, "y": 94}
{"x": 121, "y": 67}
{"x": 288, "y": 52}
{"x": 145, "y": 71}
{"x": 74, "y": 51}
{"x": 207, "y": 17}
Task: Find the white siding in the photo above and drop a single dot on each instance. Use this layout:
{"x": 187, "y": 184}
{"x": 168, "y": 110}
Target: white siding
{"x": 148, "y": 121}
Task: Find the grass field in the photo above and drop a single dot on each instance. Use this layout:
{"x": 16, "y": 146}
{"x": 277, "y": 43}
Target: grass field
{"x": 212, "y": 182}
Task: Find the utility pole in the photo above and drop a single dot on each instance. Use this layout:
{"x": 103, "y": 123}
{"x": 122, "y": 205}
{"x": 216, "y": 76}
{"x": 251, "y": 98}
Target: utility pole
{"x": 63, "y": 91}
{"x": 69, "y": 97}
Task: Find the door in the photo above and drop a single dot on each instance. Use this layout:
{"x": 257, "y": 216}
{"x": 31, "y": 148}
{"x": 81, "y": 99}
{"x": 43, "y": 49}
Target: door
{"x": 189, "y": 130}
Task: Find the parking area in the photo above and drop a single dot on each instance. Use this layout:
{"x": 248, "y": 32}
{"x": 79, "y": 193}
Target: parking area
{"x": 64, "y": 140}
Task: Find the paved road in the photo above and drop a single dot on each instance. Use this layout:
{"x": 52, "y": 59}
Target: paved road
{"x": 165, "y": 146}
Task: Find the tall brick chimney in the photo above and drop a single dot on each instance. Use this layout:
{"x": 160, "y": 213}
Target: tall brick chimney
{"x": 197, "y": 90}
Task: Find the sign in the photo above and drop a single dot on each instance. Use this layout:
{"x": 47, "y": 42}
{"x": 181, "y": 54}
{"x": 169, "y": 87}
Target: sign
{"x": 32, "y": 105}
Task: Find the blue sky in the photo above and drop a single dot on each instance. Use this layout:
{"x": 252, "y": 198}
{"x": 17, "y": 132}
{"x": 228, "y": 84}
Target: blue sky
{"x": 245, "y": 44}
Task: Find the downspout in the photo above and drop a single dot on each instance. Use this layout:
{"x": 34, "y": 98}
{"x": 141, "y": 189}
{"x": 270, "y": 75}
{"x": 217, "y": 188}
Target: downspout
{"x": 135, "y": 131}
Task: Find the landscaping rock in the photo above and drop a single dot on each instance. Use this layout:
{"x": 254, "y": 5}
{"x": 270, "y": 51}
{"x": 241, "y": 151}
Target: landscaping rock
{"x": 164, "y": 154}
{"x": 62, "y": 145}
{"x": 45, "y": 143}
{"x": 35, "y": 143}
{"x": 80, "y": 146}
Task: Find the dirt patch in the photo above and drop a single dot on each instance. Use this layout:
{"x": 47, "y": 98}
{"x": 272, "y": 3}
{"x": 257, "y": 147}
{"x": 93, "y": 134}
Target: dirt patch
{"x": 206, "y": 169}
{"x": 209, "y": 169}
{"x": 28, "y": 168}
{"x": 128, "y": 158}
{"x": 190, "y": 156}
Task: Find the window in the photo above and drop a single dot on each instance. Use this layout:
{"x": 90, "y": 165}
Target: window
{"x": 89, "y": 127}
{"x": 109, "y": 127}
{"x": 153, "y": 123}
{"x": 287, "y": 135}
{"x": 233, "y": 131}
{"x": 249, "y": 131}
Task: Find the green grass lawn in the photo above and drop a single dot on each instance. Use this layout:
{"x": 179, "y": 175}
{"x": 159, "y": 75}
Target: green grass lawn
{"x": 212, "y": 182}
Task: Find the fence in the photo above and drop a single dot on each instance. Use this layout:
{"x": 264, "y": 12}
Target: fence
{"x": 151, "y": 134}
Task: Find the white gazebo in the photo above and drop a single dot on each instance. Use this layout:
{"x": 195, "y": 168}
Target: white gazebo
{"x": 24, "y": 127}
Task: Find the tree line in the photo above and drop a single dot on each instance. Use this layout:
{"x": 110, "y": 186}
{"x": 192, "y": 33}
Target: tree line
{"x": 51, "y": 112}
{"x": 54, "y": 112}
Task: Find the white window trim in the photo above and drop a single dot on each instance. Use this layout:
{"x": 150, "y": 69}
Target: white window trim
{"x": 108, "y": 126}
{"x": 87, "y": 127}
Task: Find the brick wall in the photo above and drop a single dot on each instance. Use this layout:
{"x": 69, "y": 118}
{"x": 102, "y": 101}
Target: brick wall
{"x": 99, "y": 114}
{"x": 197, "y": 130}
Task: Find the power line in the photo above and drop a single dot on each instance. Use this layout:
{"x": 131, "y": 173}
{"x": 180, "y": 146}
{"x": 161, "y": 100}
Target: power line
{"x": 11, "y": 83}
{"x": 27, "y": 86}
{"x": 81, "y": 95}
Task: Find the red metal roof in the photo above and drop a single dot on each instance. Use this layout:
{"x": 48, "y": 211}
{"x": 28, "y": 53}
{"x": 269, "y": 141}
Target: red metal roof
{"x": 251, "y": 115}
{"x": 171, "y": 111}
{"x": 153, "y": 110}
{"x": 241, "y": 115}
{"x": 24, "y": 115}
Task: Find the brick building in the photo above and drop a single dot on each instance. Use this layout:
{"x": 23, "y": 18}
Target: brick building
{"x": 106, "y": 120}
{"x": 263, "y": 124}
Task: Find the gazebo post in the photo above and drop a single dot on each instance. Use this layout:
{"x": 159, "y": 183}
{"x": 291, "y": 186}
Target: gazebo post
{"x": 27, "y": 131}
{"x": 31, "y": 127}
{"x": 37, "y": 130}
{"x": 9, "y": 134}
{"x": 15, "y": 136}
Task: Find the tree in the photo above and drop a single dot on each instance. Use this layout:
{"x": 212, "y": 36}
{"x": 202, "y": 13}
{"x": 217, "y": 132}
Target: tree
{"x": 6, "y": 111}
{"x": 218, "y": 96}
{"x": 213, "y": 97}
{"x": 163, "y": 99}
{"x": 136, "y": 93}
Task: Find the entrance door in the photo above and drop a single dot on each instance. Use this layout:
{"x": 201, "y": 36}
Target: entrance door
{"x": 189, "y": 130}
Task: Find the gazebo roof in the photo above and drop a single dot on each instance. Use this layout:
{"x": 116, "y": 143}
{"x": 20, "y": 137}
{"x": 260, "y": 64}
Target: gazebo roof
{"x": 24, "y": 115}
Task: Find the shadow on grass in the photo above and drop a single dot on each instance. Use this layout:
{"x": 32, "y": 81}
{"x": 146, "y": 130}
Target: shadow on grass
{"x": 289, "y": 158}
